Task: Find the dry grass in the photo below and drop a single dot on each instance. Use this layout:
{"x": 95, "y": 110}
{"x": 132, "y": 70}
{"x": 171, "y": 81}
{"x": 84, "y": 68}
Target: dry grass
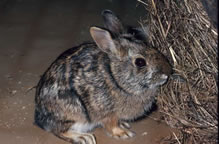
{"x": 182, "y": 31}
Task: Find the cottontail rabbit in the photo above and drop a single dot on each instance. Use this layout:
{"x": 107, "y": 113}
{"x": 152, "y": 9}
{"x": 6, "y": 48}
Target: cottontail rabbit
{"x": 104, "y": 83}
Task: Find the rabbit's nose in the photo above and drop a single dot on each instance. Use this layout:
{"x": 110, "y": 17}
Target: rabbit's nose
{"x": 164, "y": 77}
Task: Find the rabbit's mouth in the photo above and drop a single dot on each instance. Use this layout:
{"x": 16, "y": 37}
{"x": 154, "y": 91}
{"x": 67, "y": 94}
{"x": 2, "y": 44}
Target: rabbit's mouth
{"x": 155, "y": 81}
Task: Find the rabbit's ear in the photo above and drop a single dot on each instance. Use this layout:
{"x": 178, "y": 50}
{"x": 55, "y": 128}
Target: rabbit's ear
{"x": 103, "y": 39}
{"x": 141, "y": 33}
{"x": 112, "y": 22}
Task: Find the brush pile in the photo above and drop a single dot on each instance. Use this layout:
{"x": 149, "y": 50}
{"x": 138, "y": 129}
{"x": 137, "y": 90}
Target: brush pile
{"x": 182, "y": 31}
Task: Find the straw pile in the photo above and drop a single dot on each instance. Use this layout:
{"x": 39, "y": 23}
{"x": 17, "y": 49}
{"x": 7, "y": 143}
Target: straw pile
{"x": 181, "y": 30}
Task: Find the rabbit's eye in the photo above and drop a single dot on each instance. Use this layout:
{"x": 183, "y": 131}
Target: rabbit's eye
{"x": 140, "y": 62}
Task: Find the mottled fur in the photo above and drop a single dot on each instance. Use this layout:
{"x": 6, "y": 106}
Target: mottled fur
{"x": 98, "y": 84}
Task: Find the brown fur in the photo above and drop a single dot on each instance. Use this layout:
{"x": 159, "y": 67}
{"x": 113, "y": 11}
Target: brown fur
{"x": 100, "y": 84}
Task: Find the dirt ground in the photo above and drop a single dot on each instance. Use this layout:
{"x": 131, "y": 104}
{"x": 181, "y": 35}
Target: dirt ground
{"x": 32, "y": 34}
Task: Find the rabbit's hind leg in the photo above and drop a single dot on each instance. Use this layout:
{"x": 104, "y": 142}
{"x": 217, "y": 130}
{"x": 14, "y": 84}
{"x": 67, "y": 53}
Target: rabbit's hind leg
{"x": 78, "y": 134}
{"x": 77, "y": 137}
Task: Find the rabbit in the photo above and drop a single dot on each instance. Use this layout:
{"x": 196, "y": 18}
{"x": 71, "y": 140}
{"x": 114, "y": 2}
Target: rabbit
{"x": 105, "y": 83}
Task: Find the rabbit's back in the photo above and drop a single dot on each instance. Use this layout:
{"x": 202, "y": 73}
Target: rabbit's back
{"x": 66, "y": 70}
{"x": 73, "y": 88}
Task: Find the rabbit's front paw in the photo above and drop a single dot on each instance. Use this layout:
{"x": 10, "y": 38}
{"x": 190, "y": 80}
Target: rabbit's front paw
{"x": 118, "y": 132}
{"x": 124, "y": 125}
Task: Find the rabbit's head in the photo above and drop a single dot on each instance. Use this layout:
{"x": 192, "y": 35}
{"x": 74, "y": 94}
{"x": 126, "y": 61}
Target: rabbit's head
{"x": 134, "y": 65}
